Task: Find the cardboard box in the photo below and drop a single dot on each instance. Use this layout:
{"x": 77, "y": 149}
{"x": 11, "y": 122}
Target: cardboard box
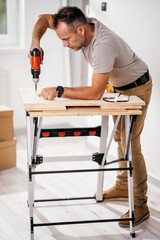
{"x": 6, "y": 123}
{"x": 8, "y": 154}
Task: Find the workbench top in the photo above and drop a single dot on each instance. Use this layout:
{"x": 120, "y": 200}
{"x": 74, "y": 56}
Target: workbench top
{"x": 37, "y": 106}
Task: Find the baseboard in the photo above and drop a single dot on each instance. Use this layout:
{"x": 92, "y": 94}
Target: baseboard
{"x": 154, "y": 180}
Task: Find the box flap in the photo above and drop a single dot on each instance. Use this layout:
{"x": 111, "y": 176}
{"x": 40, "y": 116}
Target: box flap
{"x": 5, "y": 111}
{"x": 4, "y": 144}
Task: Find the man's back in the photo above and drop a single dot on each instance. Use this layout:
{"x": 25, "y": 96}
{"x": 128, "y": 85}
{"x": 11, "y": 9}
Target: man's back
{"x": 107, "y": 52}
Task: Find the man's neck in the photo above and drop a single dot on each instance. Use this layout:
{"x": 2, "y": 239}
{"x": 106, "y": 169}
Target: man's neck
{"x": 89, "y": 33}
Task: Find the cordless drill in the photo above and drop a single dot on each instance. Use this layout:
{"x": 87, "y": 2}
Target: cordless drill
{"x": 35, "y": 65}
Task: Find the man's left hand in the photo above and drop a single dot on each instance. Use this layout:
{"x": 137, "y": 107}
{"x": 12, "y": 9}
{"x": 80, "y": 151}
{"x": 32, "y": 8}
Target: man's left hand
{"x": 48, "y": 93}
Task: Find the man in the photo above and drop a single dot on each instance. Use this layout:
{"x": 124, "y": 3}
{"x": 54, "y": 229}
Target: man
{"x": 112, "y": 61}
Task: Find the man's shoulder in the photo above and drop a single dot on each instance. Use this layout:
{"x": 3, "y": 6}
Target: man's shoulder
{"x": 93, "y": 20}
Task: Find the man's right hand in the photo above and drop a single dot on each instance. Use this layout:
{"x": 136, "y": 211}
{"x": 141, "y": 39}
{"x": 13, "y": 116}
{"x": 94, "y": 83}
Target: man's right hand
{"x": 41, "y": 53}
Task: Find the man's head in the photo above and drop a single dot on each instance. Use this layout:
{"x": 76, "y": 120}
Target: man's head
{"x": 71, "y": 16}
{"x": 70, "y": 25}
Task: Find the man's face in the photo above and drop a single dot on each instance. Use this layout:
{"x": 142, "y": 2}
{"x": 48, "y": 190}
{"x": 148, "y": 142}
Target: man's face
{"x": 73, "y": 40}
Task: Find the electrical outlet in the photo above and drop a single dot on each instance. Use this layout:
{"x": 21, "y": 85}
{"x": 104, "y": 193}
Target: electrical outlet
{"x": 104, "y": 6}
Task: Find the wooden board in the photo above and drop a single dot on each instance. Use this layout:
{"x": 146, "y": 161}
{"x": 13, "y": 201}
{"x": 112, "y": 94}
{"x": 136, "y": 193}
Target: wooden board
{"x": 31, "y": 102}
{"x": 80, "y": 111}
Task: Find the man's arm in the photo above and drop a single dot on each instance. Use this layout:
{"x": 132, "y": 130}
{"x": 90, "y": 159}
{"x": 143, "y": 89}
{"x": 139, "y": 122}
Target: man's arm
{"x": 44, "y": 21}
{"x": 95, "y": 92}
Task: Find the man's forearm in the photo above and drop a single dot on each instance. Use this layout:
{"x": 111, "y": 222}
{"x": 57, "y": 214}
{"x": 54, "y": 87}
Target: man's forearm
{"x": 44, "y": 21}
{"x": 81, "y": 93}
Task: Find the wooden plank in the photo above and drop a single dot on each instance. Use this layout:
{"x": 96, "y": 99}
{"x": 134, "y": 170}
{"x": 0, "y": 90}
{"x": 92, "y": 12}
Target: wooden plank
{"x": 80, "y": 111}
{"x": 31, "y": 102}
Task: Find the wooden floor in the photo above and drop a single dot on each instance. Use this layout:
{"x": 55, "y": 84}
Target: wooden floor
{"x": 14, "y": 213}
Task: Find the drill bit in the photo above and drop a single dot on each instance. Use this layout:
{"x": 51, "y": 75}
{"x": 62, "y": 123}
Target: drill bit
{"x": 35, "y": 80}
{"x": 35, "y": 87}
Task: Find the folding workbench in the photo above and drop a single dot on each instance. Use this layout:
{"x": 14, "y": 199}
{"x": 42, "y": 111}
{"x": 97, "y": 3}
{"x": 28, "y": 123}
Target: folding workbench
{"x": 36, "y": 109}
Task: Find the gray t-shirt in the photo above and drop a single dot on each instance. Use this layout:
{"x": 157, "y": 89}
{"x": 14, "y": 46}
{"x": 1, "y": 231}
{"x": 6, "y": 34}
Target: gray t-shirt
{"x": 107, "y": 52}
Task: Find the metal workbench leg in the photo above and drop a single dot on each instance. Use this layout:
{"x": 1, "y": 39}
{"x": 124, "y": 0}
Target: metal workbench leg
{"x": 103, "y": 142}
{"x": 33, "y": 132}
{"x": 29, "y": 122}
{"x": 128, "y": 156}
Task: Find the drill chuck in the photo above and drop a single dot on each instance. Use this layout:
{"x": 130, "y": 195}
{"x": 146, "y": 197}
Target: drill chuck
{"x": 35, "y": 80}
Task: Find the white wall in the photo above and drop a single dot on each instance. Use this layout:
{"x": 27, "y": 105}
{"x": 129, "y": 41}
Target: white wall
{"x": 60, "y": 67}
{"x": 137, "y": 21}
{"x": 17, "y": 66}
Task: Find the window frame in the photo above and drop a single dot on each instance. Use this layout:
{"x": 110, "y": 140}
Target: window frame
{"x": 15, "y": 24}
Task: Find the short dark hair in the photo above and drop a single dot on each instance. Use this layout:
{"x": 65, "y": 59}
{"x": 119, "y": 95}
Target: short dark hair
{"x": 72, "y": 16}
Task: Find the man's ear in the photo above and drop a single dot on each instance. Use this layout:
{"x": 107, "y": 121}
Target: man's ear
{"x": 81, "y": 30}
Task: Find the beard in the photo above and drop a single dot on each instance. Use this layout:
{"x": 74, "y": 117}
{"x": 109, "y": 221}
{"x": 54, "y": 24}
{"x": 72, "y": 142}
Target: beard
{"x": 79, "y": 46}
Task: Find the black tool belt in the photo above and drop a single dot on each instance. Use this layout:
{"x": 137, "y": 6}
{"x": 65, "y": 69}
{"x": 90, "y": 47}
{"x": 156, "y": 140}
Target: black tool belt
{"x": 140, "y": 81}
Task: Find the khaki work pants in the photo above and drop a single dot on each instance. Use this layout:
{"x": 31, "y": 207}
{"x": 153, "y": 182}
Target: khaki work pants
{"x": 139, "y": 167}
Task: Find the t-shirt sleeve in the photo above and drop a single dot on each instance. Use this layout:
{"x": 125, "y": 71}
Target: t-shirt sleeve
{"x": 103, "y": 58}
